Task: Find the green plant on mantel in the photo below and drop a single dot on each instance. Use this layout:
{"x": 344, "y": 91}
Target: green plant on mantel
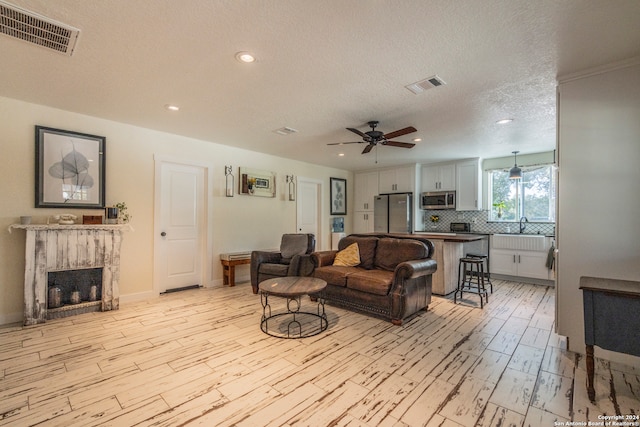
{"x": 122, "y": 212}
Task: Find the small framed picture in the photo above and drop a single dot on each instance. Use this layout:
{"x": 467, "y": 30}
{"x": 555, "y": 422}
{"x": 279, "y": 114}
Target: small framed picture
{"x": 69, "y": 169}
{"x": 338, "y": 196}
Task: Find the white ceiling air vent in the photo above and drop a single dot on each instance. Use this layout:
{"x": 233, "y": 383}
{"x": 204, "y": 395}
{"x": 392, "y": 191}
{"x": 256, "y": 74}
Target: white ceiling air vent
{"x": 285, "y": 131}
{"x": 428, "y": 83}
{"x": 33, "y": 28}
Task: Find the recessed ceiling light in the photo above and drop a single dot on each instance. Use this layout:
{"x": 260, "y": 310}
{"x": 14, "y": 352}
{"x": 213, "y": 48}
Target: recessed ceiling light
{"x": 341, "y": 154}
{"x": 504, "y": 121}
{"x": 245, "y": 57}
{"x": 171, "y": 107}
{"x": 417, "y": 139}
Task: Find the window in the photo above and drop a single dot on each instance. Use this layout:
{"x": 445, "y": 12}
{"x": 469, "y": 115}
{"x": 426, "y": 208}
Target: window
{"x": 533, "y": 196}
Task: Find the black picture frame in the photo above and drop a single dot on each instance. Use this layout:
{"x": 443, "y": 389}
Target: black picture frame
{"x": 70, "y": 169}
{"x": 338, "y": 196}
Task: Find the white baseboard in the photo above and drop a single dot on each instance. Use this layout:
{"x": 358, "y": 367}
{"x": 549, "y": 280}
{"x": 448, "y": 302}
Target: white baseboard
{"x": 140, "y": 296}
{"x": 550, "y": 283}
{"x": 218, "y": 283}
{"x": 10, "y": 318}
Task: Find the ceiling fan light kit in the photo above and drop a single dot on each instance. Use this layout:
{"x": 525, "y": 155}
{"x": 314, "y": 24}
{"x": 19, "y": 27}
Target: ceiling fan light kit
{"x": 375, "y": 137}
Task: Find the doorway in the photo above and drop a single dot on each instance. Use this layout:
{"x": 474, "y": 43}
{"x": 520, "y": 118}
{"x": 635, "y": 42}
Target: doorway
{"x": 308, "y": 208}
{"x": 180, "y": 215}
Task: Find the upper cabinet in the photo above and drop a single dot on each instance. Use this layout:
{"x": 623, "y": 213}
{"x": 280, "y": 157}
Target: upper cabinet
{"x": 366, "y": 188}
{"x": 439, "y": 177}
{"x": 397, "y": 180}
{"x": 468, "y": 185}
{"x": 463, "y": 177}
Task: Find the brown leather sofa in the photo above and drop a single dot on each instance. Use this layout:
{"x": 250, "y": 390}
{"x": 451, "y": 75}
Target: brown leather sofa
{"x": 293, "y": 259}
{"x": 392, "y": 281}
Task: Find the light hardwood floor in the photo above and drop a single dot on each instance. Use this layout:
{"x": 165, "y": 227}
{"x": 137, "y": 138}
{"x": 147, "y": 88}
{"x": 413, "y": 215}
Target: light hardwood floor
{"x": 199, "y": 358}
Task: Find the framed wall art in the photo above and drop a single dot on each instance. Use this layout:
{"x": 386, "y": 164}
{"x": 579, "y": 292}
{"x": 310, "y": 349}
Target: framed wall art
{"x": 254, "y": 182}
{"x": 338, "y": 196}
{"x": 69, "y": 169}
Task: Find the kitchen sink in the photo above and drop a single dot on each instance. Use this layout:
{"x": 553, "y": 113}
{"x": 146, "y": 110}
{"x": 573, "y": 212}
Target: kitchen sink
{"x": 520, "y": 242}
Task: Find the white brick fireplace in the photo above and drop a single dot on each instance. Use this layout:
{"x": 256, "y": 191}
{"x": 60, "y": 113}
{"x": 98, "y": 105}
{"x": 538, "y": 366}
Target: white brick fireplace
{"x": 55, "y": 248}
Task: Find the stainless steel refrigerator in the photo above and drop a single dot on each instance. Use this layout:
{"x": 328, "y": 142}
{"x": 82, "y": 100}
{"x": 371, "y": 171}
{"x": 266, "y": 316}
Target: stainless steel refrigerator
{"x": 393, "y": 213}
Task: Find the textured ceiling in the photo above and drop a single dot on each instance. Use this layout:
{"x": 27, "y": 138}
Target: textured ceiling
{"x": 323, "y": 66}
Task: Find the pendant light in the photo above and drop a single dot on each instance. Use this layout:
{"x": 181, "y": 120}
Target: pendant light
{"x": 515, "y": 172}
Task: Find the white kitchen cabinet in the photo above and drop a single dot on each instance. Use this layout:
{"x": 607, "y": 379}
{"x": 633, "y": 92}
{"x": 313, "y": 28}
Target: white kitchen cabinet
{"x": 363, "y": 222}
{"x": 397, "y": 180}
{"x": 510, "y": 259}
{"x": 533, "y": 264}
{"x": 519, "y": 263}
{"x": 366, "y": 188}
{"x": 468, "y": 185}
{"x": 503, "y": 261}
{"x": 439, "y": 177}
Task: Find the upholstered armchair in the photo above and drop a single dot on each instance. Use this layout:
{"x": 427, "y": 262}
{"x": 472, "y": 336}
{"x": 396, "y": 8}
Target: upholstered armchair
{"x": 293, "y": 259}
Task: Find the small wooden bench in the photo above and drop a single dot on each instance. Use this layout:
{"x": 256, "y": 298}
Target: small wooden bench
{"x": 229, "y": 262}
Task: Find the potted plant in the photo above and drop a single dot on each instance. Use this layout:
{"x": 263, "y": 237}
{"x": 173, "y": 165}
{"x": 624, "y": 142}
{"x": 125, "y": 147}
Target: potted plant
{"x": 500, "y": 207}
{"x": 123, "y": 215}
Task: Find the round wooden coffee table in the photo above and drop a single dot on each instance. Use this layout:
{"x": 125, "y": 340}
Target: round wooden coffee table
{"x": 292, "y": 288}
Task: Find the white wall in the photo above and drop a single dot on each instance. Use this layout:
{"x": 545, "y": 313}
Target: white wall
{"x": 599, "y": 177}
{"x": 238, "y": 223}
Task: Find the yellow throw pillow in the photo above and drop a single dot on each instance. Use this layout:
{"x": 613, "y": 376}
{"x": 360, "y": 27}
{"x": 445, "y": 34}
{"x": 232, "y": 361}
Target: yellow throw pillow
{"x": 348, "y": 257}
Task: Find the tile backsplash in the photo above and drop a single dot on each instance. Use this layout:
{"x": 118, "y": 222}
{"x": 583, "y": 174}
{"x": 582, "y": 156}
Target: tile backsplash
{"x": 480, "y": 224}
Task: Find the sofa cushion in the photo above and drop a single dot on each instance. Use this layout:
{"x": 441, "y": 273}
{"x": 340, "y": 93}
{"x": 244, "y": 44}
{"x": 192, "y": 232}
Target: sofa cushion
{"x": 274, "y": 269}
{"x": 335, "y": 274}
{"x": 391, "y": 252}
{"x": 348, "y": 257}
{"x": 366, "y": 246}
{"x": 376, "y": 282}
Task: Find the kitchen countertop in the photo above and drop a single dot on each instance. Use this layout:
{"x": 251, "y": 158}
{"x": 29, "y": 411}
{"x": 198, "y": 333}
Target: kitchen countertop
{"x": 448, "y": 237}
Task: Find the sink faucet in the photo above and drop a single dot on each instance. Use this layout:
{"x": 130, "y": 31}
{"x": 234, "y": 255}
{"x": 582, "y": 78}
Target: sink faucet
{"x": 522, "y": 225}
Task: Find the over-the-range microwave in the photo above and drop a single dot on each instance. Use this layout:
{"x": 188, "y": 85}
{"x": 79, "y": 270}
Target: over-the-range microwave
{"x": 438, "y": 200}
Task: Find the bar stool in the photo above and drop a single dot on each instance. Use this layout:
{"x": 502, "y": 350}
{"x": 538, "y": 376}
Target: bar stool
{"x": 470, "y": 280}
{"x": 487, "y": 271}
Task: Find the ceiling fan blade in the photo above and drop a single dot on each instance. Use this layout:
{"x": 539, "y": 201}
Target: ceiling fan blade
{"x": 367, "y": 148}
{"x": 399, "y": 144}
{"x": 400, "y": 132}
{"x": 357, "y": 132}
{"x": 343, "y": 143}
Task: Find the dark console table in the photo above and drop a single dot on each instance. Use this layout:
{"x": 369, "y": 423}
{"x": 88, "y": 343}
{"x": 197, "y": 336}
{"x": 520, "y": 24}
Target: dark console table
{"x": 611, "y": 319}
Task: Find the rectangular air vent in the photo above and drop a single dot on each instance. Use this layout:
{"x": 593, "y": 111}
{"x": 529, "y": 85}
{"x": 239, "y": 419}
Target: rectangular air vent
{"x": 428, "y": 83}
{"x": 36, "y": 29}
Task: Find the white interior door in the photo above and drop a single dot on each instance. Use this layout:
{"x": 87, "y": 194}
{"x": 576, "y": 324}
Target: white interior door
{"x": 308, "y": 207}
{"x": 179, "y": 246}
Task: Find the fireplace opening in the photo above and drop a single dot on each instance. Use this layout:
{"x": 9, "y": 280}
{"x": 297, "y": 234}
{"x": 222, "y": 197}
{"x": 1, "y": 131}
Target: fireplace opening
{"x": 71, "y": 292}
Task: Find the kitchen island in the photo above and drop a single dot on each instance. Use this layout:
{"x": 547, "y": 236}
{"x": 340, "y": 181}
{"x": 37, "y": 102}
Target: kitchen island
{"x": 448, "y": 249}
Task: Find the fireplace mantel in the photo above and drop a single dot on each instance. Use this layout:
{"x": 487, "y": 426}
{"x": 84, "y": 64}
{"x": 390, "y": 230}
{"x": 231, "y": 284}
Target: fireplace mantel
{"x": 54, "y": 247}
{"x": 111, "y": 227}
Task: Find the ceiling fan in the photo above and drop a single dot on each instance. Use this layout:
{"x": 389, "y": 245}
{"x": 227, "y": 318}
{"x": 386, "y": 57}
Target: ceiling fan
{"x": 375, "y": 137}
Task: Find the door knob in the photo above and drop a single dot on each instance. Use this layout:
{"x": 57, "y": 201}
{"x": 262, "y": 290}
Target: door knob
{"x": 163, "y": 234}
